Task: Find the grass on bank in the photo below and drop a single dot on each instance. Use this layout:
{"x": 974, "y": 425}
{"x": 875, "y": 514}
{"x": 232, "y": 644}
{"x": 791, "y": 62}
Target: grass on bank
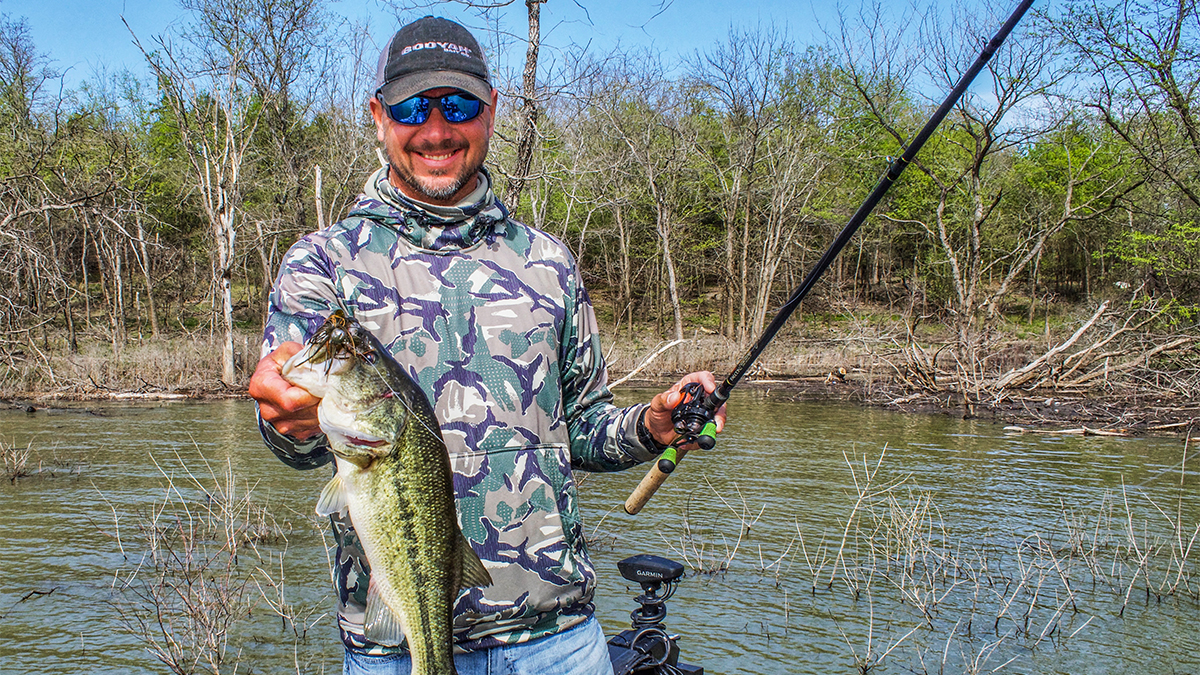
{"x": 180, "y": 364}
{"x": 869, "y": 344}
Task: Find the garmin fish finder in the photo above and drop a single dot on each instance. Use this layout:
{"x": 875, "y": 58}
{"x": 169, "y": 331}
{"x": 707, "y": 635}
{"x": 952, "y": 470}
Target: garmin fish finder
{"x": 646, "y": 648}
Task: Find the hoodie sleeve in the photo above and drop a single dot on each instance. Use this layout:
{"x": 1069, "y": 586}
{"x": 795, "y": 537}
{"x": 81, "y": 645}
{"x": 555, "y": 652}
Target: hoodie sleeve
{"x": 301, "y": 299}
{"x": 307, "y": 454}
{"x": 603, "y": 436}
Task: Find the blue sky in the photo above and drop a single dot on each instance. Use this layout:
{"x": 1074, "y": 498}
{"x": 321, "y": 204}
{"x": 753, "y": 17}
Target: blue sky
{"x": 81, "y": 36}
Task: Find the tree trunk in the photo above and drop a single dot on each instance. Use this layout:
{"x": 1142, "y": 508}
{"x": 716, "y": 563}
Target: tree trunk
{"x": 664, "y": 233}
{"x": 728, "y": 318}
{"x": 145, "y": 265}
{"x": 745, "y": 276}
{"x": 226, "y": 238}
{"x": 529, "y": 110}
{"x": 626, "y": 286}
{"x": 87, "y": 302}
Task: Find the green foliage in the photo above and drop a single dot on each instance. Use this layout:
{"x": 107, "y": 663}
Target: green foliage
{"x": 752, "y": 156}
{"x": 1166, "y": 258}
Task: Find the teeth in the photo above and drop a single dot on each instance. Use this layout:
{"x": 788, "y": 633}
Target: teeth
{"x": 437, "y": 157}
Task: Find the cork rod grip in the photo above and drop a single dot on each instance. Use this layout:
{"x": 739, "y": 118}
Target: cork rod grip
{"x": 649, "y": 485}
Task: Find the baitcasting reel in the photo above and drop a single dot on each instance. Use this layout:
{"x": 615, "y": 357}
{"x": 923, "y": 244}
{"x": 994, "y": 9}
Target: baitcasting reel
{"x": 694, "y": 423}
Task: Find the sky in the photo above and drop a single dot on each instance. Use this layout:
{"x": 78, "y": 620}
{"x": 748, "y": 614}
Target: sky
{"x": 83, "y": 37}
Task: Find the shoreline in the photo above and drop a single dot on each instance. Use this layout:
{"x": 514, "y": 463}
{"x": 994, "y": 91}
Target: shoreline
{"x": 1038, "y": 413}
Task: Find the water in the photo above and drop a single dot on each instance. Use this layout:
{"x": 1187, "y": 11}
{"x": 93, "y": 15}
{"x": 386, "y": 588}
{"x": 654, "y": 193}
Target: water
{"x": 962, "y": 550}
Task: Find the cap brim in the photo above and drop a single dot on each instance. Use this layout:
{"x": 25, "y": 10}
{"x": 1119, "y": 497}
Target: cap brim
{"x": 410, "y": 85}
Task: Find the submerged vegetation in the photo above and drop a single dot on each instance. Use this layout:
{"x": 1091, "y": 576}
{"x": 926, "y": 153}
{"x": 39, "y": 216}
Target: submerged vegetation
{"x": 941, "y": 600}
{"x": 204, "y": 569}
{"x": 25, "y": 462}
{"x": 200, "y": 563}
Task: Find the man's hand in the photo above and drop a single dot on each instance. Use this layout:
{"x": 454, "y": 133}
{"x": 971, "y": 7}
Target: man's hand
{"x": 290, "y": 409}
{"x": 658, "y": 415}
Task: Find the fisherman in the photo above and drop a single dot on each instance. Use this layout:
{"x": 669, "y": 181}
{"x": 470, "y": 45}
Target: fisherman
{"x": 491, "y": 318}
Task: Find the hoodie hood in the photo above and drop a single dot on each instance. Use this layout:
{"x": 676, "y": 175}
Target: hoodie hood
{"x": 426, "y": 226}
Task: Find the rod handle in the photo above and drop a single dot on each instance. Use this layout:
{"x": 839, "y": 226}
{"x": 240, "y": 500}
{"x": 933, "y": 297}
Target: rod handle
{"x": 649, "y": 485}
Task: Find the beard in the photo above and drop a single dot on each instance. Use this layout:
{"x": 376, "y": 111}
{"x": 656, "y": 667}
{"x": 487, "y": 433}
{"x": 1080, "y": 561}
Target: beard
{"x": 432, "y": 188}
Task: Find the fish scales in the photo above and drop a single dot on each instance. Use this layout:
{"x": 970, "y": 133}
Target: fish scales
{"x": 394, "y": 478}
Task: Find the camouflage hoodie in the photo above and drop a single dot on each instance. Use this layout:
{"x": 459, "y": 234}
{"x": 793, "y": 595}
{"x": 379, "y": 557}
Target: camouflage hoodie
{"x": 490, "y": 318}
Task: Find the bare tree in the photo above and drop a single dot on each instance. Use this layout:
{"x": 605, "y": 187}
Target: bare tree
{"x": 529, "y": 109}
{"x": 1145, "y": 56}
{"x": 203, "y": 83}
{"x": 645, "y": 113}
{"x": 346, "y": 151}
{"x": 287, "y": 67}
{"x": 742, "y": 80}
{"x": 795, "y": 168}
{"x": 1139, "y": 61}
{"x": 54, "y": 167}
{"x": 965, "y": 165}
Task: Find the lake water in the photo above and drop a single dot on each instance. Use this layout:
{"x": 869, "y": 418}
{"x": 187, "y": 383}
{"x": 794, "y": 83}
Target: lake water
{"x": 819, "y": 538}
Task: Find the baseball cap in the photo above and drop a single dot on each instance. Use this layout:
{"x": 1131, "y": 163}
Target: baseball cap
{"x": 429, "y": 53}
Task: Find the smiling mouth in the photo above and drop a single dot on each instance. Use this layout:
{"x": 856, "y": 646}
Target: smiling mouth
{"x": 437, "y": 158}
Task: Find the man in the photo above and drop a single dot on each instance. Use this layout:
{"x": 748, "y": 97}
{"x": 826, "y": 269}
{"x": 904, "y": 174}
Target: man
{"x": 491, "y": 319}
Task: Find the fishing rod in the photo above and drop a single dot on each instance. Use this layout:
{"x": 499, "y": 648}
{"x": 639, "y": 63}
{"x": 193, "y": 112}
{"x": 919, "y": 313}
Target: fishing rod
{"x": 693, "y": 417}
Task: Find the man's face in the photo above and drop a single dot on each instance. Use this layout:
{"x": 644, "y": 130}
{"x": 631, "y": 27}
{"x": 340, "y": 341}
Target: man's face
{"x": 435, "y": 162}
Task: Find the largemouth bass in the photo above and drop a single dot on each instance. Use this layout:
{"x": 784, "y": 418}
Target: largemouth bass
{"x": 393, "y": 475}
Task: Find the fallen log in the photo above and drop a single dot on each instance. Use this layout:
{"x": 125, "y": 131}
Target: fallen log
{"x": 1079, "y": 431}
{"x": 1019, "y": 376}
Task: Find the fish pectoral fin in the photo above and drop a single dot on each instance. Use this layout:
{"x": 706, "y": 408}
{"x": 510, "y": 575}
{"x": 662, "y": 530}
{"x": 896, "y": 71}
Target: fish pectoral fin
{"x": 473, "y": 571}
{"x": 381, "y": 625}
{"x": 333, "y": 497}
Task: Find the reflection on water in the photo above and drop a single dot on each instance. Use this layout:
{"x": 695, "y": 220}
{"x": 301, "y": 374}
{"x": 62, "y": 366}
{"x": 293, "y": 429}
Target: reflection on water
{"x": 967, "y": 548}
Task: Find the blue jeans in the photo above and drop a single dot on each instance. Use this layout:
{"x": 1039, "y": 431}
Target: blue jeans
{"x": 581, "y": 650}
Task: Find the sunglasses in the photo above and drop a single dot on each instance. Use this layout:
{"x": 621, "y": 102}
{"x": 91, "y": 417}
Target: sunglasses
{"x": 456, "y": 108}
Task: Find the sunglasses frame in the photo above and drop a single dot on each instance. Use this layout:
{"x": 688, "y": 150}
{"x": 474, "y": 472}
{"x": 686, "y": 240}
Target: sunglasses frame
{"x": 434, "y": 102}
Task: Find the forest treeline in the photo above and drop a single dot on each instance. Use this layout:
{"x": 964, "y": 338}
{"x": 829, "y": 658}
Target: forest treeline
{"x": 695, "y": 193}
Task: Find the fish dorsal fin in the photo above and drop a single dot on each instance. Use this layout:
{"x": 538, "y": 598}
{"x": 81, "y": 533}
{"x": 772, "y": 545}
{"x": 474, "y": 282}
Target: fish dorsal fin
{"x": 333, "y": 497}
{"x": 473, "y": 571}
{"x": 380, "y": 624}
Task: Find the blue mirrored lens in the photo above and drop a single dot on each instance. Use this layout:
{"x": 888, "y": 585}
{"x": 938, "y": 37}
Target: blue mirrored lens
{"x": 413, "y": 110}
{"x": 460, "y": 108}
{"x": 455, "y": 108}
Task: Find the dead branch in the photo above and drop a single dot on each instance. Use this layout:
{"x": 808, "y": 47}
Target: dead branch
{"x": 1144, "y": 357}
{"x": 1081, "y": 431}
{"x": 647, "y": 361}
{"x": 1015, "y": 378}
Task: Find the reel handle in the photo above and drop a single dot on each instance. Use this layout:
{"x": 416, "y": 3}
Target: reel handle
{"x": 694, "y": 421}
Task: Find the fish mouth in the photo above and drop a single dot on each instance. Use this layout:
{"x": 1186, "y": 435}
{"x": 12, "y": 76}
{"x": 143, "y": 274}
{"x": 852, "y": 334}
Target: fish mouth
{"x": 302, "y": 371}
{"x": 354, "y": 437}
{"x": 317, "y": 358}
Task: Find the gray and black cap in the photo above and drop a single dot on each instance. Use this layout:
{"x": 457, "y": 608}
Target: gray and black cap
{"x": 429, "y": 53}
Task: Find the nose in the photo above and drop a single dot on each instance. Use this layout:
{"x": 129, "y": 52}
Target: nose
{"x": 436, "y": 129}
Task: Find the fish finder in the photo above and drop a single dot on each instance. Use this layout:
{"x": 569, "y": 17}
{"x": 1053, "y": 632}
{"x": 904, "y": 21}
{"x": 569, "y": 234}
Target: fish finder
{"x": 646, "y": 648}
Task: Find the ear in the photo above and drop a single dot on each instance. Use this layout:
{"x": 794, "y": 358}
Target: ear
{"x": 377, "y": 114}
{"x": 490, "y": 111}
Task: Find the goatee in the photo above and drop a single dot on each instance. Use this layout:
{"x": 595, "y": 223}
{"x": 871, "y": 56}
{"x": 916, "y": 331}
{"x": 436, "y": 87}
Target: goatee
{"x": 431, "y": 191}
